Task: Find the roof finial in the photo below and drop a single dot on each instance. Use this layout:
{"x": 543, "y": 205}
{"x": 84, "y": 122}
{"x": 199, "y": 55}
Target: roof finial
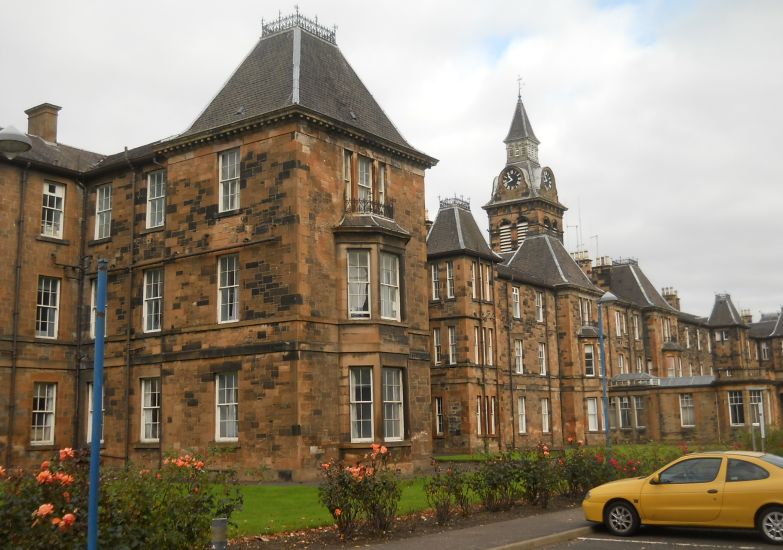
{"x": 520, "y": 83}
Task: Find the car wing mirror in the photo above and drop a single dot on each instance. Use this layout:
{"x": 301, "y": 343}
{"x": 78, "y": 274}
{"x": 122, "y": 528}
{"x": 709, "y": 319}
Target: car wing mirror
{"x": 655, "y": 480}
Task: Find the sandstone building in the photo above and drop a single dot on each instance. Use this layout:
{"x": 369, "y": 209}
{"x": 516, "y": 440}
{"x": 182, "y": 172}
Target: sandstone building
{"x": 267, "y": 277}
{"x": 515, "y": 334}
{"x": 276, "y": 294}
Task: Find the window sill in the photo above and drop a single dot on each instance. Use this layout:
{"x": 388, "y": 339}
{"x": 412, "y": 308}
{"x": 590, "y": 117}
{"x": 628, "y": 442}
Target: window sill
{"x": 42, "y": 447}
{"x": 225, "y": 446}
{"x": 226, "y": 214}
{"x": 53, "y": 240}
{"x": 99, "y": 241}
{"x": 142, "y": 445}
{"x": 149, "y": 230}
{"x": 369, "y": 444}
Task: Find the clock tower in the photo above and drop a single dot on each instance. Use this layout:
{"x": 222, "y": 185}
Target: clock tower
{"x": 524, "y": 195}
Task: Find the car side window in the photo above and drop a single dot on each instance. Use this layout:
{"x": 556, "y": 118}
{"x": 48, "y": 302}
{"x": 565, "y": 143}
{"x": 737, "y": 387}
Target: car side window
{"x": 740, "y": 470}
{"x": 695, "y": 470}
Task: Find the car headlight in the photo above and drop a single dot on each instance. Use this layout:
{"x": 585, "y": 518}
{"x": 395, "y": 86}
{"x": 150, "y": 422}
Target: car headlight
{"x": 587, "y": 496}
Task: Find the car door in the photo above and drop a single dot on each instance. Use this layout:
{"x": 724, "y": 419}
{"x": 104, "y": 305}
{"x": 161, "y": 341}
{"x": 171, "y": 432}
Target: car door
{"x": 747, "y": 487}
{"x": 689, "y": 491}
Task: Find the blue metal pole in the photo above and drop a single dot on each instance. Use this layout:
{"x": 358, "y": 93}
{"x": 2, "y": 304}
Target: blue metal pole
{"x": 97, "y": 409}
{"x": 605, "y": 396}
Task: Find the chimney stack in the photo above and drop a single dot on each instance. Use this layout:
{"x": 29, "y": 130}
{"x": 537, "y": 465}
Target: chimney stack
{"x": 582, "y": 259}
{"x": 747, "y": 316}
{"x": 670, "y": 295}
{"x": 42, "y": 121}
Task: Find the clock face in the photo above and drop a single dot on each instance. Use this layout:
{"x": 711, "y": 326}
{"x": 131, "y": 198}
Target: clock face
{"x": 547, "y": 179}
{"x": 511, "y": 178}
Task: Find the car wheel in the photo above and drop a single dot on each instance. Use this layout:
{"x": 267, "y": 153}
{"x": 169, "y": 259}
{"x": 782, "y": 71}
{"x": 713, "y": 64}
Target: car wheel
{"x": 770, "y": 524}
{"x": 621, "y": 518}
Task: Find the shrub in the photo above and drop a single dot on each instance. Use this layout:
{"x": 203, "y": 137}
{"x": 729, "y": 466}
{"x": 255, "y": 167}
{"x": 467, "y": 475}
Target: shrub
{"x": 447, "y": 492}
{"x": 167, "y": 508}
{"x": 539, "y": 475}
{"x": 496, "y": 482}
{"x": 368, "y": 490}
{"x": 580, "y": 470}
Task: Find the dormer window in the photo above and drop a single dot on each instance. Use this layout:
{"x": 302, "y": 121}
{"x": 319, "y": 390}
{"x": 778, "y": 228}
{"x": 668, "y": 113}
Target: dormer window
{"x": 369, "y": 194}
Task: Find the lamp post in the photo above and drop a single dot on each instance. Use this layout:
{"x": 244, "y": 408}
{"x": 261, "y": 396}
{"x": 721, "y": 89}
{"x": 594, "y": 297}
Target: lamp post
{"x": 13, "y": 142}
{"x": 606, "y": 299}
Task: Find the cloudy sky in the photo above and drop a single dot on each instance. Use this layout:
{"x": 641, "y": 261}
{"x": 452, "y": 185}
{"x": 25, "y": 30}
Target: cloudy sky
{"x": 662, "y": 120}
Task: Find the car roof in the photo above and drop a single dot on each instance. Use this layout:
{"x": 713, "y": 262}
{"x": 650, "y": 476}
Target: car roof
{"x": 753, "y": 454}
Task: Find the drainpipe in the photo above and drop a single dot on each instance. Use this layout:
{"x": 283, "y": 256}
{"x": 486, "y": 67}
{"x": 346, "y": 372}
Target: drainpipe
{"x": 129, "y": 298}
{"x": 510, "y": 326}
{"x": 15, "y": 329}
{"x": 79, "y": 315}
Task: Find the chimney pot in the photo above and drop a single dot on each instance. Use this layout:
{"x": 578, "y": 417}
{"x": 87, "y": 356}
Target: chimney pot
{"x": 42, "y": 121}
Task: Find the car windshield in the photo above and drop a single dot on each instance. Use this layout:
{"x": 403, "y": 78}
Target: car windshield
{"x": 773, "y": 459}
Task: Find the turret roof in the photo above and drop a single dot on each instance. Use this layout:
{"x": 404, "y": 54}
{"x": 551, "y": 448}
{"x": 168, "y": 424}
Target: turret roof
{"x": 455, "y": 232}
{"x": 724, "y": 314}
{"x": 520, "y": 125}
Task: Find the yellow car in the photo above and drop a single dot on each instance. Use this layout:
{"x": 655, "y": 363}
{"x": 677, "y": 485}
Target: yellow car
{"x": 734, "y": 489}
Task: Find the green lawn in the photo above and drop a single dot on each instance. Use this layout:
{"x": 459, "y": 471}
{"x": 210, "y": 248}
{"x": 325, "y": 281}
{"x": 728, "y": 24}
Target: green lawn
{"x": 274, "y": 508}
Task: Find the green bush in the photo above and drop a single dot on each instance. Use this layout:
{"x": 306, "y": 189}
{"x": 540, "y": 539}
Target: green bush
{"x": 496, "y": 482}
{"x": 539, "y": 476}
{"x": 169, "y": 508}
{"x": 581, "y": 469}
{"x": 369, "y": 490}
{"x": 448, "y": 492}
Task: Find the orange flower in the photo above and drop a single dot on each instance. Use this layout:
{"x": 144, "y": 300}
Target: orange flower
{"x": 69, "y": 519}
{"x": 338, "y": 512}
{"x": 45, "y": 465}
{"x": 66, "y": 453}
{"x": 376, "y": 447}
{"x": 384, "y": 450}
{"x": 67, "y": 496}
{"x": 325, "y": 465}
{"x": 44, "y": 510}
{"x": 2, "y": 471}
{"x": 64, "y": 479}
{"x": 44, "y": 477}
{"x": 199, "y": 465}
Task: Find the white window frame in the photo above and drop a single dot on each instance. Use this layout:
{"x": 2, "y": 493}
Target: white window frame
{"x": 687, "y": 338}
{"x": 492, "y": 406}
{"x": 487, "y": 282}
{"x": 522, "y": 414}
{"x": 44, "y": 415}
{"x": 636, "y": 331}
{"x": 393, "y": 410}
{"x": 638, "y": 405}
{"x": 359, "y": 278}
{"x": 591, "y": 404}
{"x": 542, "y": 359}
{"x": 764, "y": 350}
{"x": 381, "y": 183}
{"x": 478, "y": 414}
{"x": 150, "y": 410}
{"x": 489, "y": 350}
{"x": 439, "y": 420}
{"x": 546, "y": 420}
{"x": 365, "y": 182}
{"x": 228, "y": 289}
{"x": 156, "y": 199}
{"x": 687, "y": 411}
{"x": 53, "y": 209}
{"x": 755, "y": 398}
{"x": 94, "y": 309}
{"x": 437, "y": 350}
{"x": 624, "y": 412}
{"x": 519, "y": 356}
{"x": 435, "y": 276}
{"x": 516, "y": 309}
{"x": 473, "y": 283}
{"x": 228, "y": 180}
{"x": 476, "y": 346}
{"x": 390, "y": 286}
{"x": 584, "y": 311}
{"x": 47, "y": 312}
{"x": 359, "y": 403}
{"x": 152, "y": 311}
{"x": 539, "y": 306}
{"x": 618, "y": 326}
{"x": 348, "y": 174}
{"x": 227, "y": 406}
{"x": 621, "y": 363}
{"x": 103, "y": 199}
{"x": 736, "y": 408}
{"x": 452, "y": 332}
{"x": 449, "y": 279}
{"x": 90, "y": 387}
{"x": 589, "y": 355}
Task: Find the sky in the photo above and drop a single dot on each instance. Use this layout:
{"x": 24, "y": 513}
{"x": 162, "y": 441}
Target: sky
{"x": 661, "y": 119}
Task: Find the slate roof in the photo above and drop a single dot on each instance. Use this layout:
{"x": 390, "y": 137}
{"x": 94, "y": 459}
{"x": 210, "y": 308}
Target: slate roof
{"x": 542, "y": 260}
{"x": 704, "y": 380}
{"x": 520, "y": 125}
{"x": 294, "y": 67}
{"x": 629, "y": 283}
{"x": 768, "y": 327}
{"x": 59, "y": 155}
{"x": 455, "y": 231}
{"x": 724, "y": 314}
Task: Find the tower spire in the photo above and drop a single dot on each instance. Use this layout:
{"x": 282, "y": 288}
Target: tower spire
{"x": 520, "y": 124}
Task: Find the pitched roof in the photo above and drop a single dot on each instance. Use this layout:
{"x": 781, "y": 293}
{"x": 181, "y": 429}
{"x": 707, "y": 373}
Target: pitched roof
{"x": 58, "y": 155}
{"x": 541, "y": 259}
{"x": 455, "y": 231}
{"x": 770, "y": 326}
{"x": 291, "y": 67}
{"x": 628, "y": 282}
{"x": 724, "y": 314}
{"x": 520, "y": 125}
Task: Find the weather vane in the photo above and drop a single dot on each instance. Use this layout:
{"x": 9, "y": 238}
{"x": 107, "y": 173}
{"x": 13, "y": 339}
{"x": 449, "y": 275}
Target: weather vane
{"x": 520, "y": 83}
